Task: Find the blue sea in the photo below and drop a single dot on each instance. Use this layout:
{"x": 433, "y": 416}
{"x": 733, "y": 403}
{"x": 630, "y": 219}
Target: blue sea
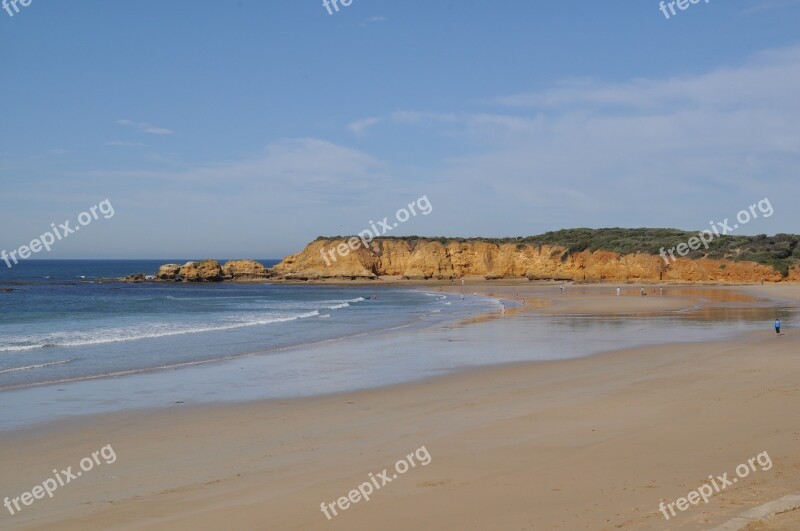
{"x": 60, "y": 322}
{"x": 73, "y": 343}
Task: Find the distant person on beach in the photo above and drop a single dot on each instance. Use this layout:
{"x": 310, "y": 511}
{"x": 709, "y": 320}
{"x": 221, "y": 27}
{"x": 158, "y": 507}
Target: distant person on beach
{"x": 562, "y": 288}
{"x": 777, "y": 326}
{"x": 643, "y": 292}
{"x": 618, "y": 292}
{"x": 661, "y": 291}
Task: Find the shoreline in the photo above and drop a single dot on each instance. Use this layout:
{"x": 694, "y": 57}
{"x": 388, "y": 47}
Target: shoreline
{"x": 156, "y": 381}
{"x": 140, "y": 435}
{"x": 390, "y": 280}
{"x": 511, "y": 445}
{"x": 233, "y": 357}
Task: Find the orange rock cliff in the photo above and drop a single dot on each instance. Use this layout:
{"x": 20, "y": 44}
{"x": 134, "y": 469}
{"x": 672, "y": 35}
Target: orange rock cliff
{"x": 426, "y": 259}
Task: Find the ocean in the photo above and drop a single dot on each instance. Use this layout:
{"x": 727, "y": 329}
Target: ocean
{"x": 72, "y": 345}
{"x": 59, "y": 323}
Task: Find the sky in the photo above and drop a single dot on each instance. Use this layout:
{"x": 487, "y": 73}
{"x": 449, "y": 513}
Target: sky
{"x": 248, "y": 128}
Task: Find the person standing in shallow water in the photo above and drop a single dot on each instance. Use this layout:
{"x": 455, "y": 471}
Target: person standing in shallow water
{"x": 777, "y": 326}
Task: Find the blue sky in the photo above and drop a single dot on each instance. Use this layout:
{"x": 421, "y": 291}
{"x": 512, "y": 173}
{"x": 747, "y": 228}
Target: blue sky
{"x": 246, "y": 129}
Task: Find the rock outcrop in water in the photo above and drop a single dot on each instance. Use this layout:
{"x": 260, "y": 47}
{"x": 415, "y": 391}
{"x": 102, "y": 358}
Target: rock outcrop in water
{"x": 168, "y": 272}
{"x": 203, "y": 271}
{"x": 208, "y": 271}
{"x": 245, "y": 270}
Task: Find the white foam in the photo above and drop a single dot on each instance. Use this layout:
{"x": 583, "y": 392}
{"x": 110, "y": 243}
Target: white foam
{"x": 117, "y": 335}
{"x": 38, "y": 366}
{"x": 340, "y": 301}
{"x": 14, "y": 348}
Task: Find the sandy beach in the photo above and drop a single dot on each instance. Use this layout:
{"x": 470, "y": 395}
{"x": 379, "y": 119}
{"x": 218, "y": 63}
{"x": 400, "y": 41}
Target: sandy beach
{"x": 588, "y": 443}
{"x": 404, "y": 266}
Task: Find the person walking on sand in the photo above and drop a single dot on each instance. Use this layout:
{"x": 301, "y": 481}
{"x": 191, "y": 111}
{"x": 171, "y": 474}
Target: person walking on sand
{"x": 777, "y": 326}
{"x": 618, "y": 292}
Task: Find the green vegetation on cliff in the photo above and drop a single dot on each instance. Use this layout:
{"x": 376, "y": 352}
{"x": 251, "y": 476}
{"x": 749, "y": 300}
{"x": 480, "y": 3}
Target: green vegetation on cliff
{"x": 780, "y": 251}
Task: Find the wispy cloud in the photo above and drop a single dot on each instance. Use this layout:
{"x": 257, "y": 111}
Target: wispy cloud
{"x": 373, "y": 20}
{"x": 408, "y": 118}
{"x": 146, "y": 127}
{"x": 124, "y": 143}
{"x": 417, "y": 118}
{"x": 422, "y": 118}
{"x": 679, "y": 148}
{"x": 308, "y": 166}
{"x": 729, "y": 88}
{"x": 675, "y": 151}
{"x": 50, "y": 153}
{"x": 360, "y": 126}
{"x": 766, "y": 5}
{"x": 287, "y": 193}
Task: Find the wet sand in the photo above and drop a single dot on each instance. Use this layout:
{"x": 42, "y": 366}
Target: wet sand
{"x": 589, "y": 443}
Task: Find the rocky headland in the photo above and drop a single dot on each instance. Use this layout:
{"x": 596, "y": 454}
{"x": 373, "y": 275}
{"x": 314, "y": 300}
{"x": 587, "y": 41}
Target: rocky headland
{"x": 773, "y": 260}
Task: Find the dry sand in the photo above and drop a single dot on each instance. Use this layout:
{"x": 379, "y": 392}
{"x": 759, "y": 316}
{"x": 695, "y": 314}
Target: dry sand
{"x": 593, "y": 443}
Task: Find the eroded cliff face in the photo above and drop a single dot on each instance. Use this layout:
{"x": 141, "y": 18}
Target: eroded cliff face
{"x": 421, "y": 259}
